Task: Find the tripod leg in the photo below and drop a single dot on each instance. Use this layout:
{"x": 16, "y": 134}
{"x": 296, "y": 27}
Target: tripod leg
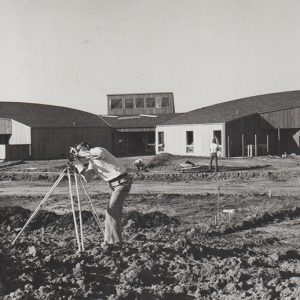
{"x": 96, "y": 217}
{"x": 79, "y": 210}
{"x": 73, "y": 210}
{"x": 41, "y": 203}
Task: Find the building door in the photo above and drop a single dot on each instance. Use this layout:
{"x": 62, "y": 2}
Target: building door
{"x": 150, "y": 142}
{"x": 136, "y": 143}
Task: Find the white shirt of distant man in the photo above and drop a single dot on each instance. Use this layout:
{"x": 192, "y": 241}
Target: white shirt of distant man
{"x": 214, "y": 148}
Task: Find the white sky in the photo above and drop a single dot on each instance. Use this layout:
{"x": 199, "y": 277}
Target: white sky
{"x": 73, "y": 53}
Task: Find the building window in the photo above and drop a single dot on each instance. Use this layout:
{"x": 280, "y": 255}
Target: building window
{"x": 116, "y": 104}
{"x": 139, "y": 103}
{"x": 128, "y": 103}
{"x": 150, "y": 102}
{"x": 217, "y": 136}
{"x": 161, "y": 141}
{"x": 165, "y": 102}
{"x": 189, "y": 141}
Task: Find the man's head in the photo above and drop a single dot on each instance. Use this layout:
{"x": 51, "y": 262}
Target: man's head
{"x": 83, "y": 146}
{"x": 214, "y": 140}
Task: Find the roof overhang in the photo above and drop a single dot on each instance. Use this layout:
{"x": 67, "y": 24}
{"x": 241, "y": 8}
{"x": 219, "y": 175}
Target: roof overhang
{"x": 190, "y": 124}
{"x": 135, "y": 129}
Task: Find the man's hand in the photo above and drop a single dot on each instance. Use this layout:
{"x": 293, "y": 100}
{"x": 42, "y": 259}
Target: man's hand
{"x": 79, "y": 166}
{"x": 73, "y": 152}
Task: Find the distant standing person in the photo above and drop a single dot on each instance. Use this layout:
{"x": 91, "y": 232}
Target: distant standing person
{"x": 101, "y": 163}
{"x": 214, "y": 154}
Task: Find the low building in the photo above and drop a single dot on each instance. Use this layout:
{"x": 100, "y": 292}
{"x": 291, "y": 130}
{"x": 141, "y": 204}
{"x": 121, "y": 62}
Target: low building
{"x": 134, "y": 135}
{"x": 38, "y": 131}
{"x": 259, "y": 125}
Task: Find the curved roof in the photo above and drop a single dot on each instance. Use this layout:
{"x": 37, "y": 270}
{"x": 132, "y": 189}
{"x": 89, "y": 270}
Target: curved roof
{"x": 228, "y": 111}
{"x": 42, "y": 115}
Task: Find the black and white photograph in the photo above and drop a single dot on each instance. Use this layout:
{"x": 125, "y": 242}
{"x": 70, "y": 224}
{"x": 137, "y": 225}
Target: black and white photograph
{"x": 149, "y": 149}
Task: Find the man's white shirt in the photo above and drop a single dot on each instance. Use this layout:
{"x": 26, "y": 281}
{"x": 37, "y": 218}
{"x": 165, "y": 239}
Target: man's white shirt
{"x": 101, "y": 163}
{"x": 213, "y": 148}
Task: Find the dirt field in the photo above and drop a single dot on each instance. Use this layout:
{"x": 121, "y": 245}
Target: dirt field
{"x": 175, "y": 247}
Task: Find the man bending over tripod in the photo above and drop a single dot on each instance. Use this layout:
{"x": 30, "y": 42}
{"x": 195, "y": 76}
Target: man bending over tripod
{"x": 103, "y": 164}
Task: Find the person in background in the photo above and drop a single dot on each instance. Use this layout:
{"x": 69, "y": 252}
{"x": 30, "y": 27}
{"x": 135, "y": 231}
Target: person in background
{"x": 139, "y": 164}
{"x": 214, "y": 155}
{"x": 95, "y": 162}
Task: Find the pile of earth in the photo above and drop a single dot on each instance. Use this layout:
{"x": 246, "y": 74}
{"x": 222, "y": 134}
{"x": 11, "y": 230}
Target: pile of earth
{"x": 13, "y": 217}
{"x": 163, "y": 261}
{"x": 255, "y": 221}
{"x": 160, "y": 160}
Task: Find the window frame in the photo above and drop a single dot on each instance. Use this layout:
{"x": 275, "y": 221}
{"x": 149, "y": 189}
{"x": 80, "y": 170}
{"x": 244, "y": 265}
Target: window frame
{"x": 189, "y": 144}
{"x": 162, "y": 102}
{"x": 119, "y": 102}
{"x": 150, "y": 99}
{"x": 140, "y": 100}
{"x": 129, "y": 100}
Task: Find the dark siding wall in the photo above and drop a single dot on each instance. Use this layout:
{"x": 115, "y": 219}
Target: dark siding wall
{"x": 15, "y": 152}
{"x": 290, "y": 140}
{"x": 288, "y": 118}
{"x": 263, "y": 125}
{"x": 288, "y": 121}
{"x": 249, "y": 126}
{"x": 53, "y": 143}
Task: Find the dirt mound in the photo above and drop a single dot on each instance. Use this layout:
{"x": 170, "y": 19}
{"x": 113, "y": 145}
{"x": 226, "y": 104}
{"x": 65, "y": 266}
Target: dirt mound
{"x": 160, "y": 160}
{"x": 256, "y": 221}
{"x": 148, "y": 220}
{"x": 13, "y": 215}
{"x": 16, "y": 217}
{"x": 7, "y": 164}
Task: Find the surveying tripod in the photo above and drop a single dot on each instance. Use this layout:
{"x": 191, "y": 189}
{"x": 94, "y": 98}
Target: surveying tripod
{"x": 69, "y": 171}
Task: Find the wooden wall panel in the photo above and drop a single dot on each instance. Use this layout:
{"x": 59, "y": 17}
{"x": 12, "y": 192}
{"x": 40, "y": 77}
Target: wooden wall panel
{"x": 16, "y": 152}
{"x": 54, "y": 143}
{"x": 288, "y": 118}
{"x": 248, "y": 126}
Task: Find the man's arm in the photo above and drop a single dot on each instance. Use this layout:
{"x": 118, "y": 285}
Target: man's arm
{"x": 87, "y": 172}
{"x": 90, "y": 154}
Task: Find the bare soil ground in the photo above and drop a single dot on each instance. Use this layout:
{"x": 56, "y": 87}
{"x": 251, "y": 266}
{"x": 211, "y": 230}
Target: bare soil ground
{"x": 173, "y": 248}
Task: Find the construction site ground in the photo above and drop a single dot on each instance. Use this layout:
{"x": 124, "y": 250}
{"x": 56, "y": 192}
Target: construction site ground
{"x": 234, "y": 234}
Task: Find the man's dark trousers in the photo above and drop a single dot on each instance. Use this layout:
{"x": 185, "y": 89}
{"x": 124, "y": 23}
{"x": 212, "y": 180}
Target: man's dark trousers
{"x": 214, "y": 156}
